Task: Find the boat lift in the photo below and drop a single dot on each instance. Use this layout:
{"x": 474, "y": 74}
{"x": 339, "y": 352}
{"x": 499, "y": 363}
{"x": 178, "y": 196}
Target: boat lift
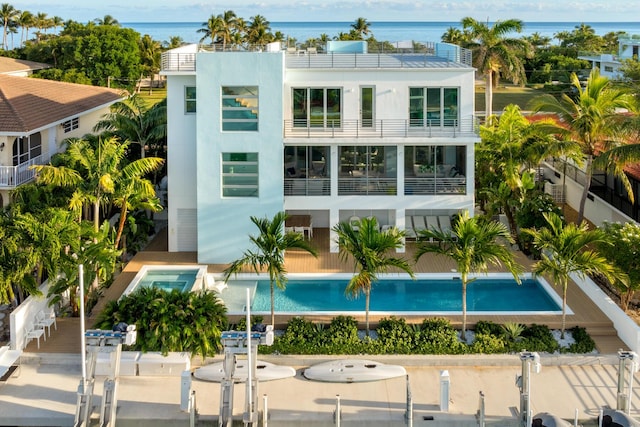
{"x": 99, "y": 341}
{"x": 628, "y": 363}
{"x": 524, "y": 383}
{"x": 235, "y": 343}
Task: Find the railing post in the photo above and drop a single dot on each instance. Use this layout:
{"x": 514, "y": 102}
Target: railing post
{"x": 337, "y": 415}
{"x": 265, "y": 411}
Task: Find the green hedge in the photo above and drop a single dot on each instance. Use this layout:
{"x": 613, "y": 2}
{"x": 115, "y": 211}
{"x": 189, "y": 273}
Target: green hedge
{"x": 432, "y": 336}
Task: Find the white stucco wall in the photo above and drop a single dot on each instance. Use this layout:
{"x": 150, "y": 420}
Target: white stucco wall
{"x": 224, "y": 222}
{"x": 181, "y": 155}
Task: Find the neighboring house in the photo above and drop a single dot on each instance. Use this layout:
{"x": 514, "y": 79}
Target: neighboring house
{"x": 322, "y": 136}
{"x": 36, "y": 115}
{"x": 20, "y": 67}
{"x": 609, "y": 64}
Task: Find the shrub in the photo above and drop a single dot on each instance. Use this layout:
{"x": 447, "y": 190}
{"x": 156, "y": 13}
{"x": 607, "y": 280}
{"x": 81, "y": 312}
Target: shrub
{"x": 341, "y": 337}
{"x": 583, "y": 342}
{"x": 537, "y": 338}
{"x": 396, "y": 336}
{"x": 170, "y": 321}
{"x": 488, "y": 344}
{"x": 437, "y": 336}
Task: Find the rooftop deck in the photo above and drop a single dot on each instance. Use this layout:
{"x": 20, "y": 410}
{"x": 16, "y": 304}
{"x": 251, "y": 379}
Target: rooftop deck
{"x": 386, "y": 56}
{"x": 66, "y": 339}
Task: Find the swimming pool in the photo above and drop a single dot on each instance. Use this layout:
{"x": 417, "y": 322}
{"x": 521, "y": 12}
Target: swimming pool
{"x": 429, "y": 294}
{"x": 183, "y": 278}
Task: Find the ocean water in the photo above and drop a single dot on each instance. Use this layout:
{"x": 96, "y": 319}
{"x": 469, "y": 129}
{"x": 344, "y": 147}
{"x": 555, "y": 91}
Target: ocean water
{"x": 382, "y": 31}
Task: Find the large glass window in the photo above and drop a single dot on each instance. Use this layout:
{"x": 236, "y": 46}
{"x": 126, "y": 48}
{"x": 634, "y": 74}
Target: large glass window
{"x": 240, "y": 108}
{"x": 431, "y": 169}
{"x": 367, "y": 106}
{"x": 367, "y": 170}
{"x": 317, "y": 107}
{"x": 433, "y": 106}
{"x": 190, "y": 99}
{"x": 240, "y": 174}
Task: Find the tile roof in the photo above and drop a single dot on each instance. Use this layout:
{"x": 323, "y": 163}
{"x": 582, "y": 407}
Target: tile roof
{"x": 27, "y": 103}
{"x": 12, "y": 65}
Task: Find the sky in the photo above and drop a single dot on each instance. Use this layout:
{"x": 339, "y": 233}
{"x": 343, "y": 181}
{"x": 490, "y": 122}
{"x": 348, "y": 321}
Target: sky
{"x": 339, "y": 10}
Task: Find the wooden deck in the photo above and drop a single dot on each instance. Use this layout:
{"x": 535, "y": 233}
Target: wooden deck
{"x": 586, "y": 314}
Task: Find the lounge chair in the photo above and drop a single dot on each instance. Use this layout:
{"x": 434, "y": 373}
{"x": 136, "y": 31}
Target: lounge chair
{"x": 408, "y": 228}
{"x": 212, "y": 285}
{"x": 418, "y": 224}
{"x": 432, "y": 224}
{"x": 445, "y": 223}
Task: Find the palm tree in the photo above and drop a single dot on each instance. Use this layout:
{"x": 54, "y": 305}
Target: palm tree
{"x": 16, "y": 264}
{"x": 150, "y": 54}
{"x": 132, "y": 120}
{"x": 361, "y": 28}
{"x": 512, "y": 146}
{"x": 8, "y": 13}
{"x": 210, "y": 28}
{"x": 369, "y": 249}
{"x": 568, "y": 249}
{"x": 47, "y": 235}
{"x": 455, "y": 35}
{"x": 41, "y": 23}
{"x": 590, "y": 118}
{"x": 473, "y": 244}
{"x": 133, "y": 190}
{"x": 25, "y": 21}
{"x": 270, "y": 245}
{"x": 107, "y": 20}
{"x": 496, "y": 55}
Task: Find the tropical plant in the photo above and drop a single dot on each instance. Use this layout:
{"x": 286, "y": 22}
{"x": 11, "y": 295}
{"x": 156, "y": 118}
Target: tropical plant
{"x": 623, "y": 250}
{"x": 473, "y": 244}
{"x": 220, "y": 28}
{"x": 361, "y": 28}
{"x": 132, "y": 120}
{"x": 364, "y": 244}
{"x": 150, "y": 51}
{"x": 496, "y": 55}
{"x": 16, "y": 265}
{"x": 513, "y": 330}
{"x": 170, "y": 321}
{"x": 570, "y": 249}
{"x": 8, "y": 14}
{"x": 590, "y": 118}
{"x": 270, "y": 245}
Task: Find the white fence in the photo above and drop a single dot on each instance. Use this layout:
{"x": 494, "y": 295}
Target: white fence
{"x": 627, "y": 329}
{"x": 25, "y": 314}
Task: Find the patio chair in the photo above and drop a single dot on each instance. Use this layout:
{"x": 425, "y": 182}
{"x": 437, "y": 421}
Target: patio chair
{"x": 445, "y": 223}
{"x": 44, "y": 319}
{"x": 30, "y": 332}
{"x": 432, "y": 224}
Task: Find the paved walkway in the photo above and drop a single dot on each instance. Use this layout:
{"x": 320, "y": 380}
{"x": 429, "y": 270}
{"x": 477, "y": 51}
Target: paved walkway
{"x": 45, "y": 393}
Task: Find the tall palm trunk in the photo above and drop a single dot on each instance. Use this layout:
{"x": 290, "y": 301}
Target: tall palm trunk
{"x": 463, "y": 334}
{"x": 564, "y": 307}
{"x": 367, "y": 295}
{"x": 488, "y": 95}
{"x": 273, "y": 312}
{"x": 587, "y": 186}
{"x": 123, "y": 218}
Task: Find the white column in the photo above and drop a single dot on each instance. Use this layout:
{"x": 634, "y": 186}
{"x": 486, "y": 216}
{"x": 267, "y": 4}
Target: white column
{"x": 334, "y": 218}
{"x": 400, "y": 223}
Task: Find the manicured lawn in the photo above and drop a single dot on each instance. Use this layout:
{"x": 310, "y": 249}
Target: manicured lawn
{"x": 505, "y": 95}
{"x": 157, "y": 95}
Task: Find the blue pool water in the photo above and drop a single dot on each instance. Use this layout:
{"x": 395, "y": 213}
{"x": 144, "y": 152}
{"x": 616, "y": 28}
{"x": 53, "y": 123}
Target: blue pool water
{"x": 169, "y": 280}
{"x": 389, "y": 295}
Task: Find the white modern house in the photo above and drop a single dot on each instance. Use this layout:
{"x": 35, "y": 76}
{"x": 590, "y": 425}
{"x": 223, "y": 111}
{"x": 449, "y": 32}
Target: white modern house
{"x": 609, "y": 64}
{"x": 323, "y": 136}
{"x": 36, "y": 115}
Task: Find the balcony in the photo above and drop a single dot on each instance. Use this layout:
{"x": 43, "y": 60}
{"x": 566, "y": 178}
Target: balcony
{"x": 312, "y": 186}
{"x": 435, "y": 186}
{"x": 387, "y": 128}
{"x": 367, "y": 186}
{"x": 14, "y": 176}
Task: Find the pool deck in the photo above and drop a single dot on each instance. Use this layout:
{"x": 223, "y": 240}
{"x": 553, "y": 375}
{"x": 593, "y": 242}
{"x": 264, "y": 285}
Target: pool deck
{"x": 586, "y": 312}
